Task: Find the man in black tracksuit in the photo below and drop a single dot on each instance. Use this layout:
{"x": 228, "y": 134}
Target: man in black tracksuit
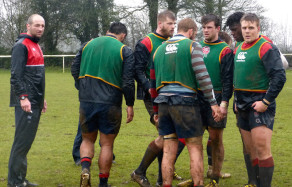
{"x": 27, "y": 96}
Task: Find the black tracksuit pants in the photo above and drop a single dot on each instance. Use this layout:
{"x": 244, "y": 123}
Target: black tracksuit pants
{"x": 26, "y": 125}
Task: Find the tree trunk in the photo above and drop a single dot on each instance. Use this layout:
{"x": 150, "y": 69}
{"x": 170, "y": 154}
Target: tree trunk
{"x": 153, "y": 11}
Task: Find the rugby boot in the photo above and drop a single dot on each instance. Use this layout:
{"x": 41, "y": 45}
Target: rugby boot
{"x": 250, "y": 185}
{"x": 158, "y": 184}
{"x": 85, "y": 178}
{"x": 213, "y": 183}
{"x": 222, "y": 175}
{"x": 176, "y": 176}
{"x": 140, "y": 179}
{"x": 186, "y": 183}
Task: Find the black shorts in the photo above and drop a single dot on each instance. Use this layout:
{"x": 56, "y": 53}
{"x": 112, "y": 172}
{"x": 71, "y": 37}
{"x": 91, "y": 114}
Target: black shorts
{"x": 184, "y": 120}
{"x": 249, "y": 119}
{"x": 206, "y": 113}
{"x": 103, "y": 117}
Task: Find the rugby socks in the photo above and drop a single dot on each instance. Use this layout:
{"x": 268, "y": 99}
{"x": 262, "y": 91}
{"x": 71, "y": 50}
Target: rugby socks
{"x": 251, "y": 173}
{"x": 103, "y": 178}
{"x": 159, "y": 158}
{"x": 255, "y": 168}
{"x": 209, "y": 151}
{"x": 167, "y": 185}
{"x": 266, "y": 170}
{"x": 85, "y": 163}
{"x": 149, "y": 156}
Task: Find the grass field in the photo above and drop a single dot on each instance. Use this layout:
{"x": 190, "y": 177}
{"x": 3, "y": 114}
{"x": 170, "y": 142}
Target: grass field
{"x": 50, "y": 162}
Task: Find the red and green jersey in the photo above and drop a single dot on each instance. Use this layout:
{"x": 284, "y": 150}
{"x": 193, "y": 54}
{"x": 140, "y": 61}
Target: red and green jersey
{"x": 172, "y": 63}
{"x": 212, "y": 58}
{"x": 155, "y": 42}
{"x": 249, "y": 71}
{"x": 100, "y": 54}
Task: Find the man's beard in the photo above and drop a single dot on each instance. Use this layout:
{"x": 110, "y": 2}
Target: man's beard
{"x": 166, "y": 33}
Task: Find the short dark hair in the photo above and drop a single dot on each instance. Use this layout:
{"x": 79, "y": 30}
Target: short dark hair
{"x": 186, "y": 24}
{"x": 165, "y": 14}
{"x": 234, "y": 19}
{"x": 251, "y": 17}
{"x": 211, "y": 17}
{"x": 118, "y": 28}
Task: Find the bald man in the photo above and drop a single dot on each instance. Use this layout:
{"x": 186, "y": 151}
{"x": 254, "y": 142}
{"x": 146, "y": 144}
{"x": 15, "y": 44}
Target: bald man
{"x": 26, "y": 96}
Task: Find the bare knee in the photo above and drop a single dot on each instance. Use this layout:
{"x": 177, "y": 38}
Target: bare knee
{"x": 159, "y": 141}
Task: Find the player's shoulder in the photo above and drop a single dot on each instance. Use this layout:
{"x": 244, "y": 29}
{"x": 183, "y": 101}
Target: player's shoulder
{"x": 266, "y": 38}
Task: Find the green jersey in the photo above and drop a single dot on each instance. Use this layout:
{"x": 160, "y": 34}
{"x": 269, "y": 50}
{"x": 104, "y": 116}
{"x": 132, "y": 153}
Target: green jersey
{"x": 156, "y": 41}
{"x": 103, "y": 53}
{"x": 249, "y": 70}
{"x": 172, "y": 63}
{"x": 212, "y": 58}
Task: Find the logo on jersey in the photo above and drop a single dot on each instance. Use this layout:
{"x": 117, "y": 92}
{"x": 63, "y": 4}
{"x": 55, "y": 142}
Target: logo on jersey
{"x": 171, "y": 48}
{"x": 206, "y": 51}
{"x": 241, "y": 57}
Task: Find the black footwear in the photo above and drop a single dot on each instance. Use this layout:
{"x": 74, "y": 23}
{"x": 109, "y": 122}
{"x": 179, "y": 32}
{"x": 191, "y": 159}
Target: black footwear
{"x": 158, "y": 184}
{"x": 85, "y": 178}
{"x": 78, "y": 162}
{"x": 140, "y": 179}
{"x": 26, "y": 183}
{"x": 29, "y": 184}
{"x": 105, "y": 185}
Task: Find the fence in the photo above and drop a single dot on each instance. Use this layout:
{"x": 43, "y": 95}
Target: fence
{"x": 54, "y": 56}
{"x": 63, "y": 57}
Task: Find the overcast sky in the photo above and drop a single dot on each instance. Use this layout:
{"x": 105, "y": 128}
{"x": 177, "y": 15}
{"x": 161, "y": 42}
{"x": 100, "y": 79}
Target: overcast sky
{"x": 277, "y": 10}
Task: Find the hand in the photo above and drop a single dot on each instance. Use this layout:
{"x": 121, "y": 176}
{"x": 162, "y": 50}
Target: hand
{"x": 45, "y": 107}
{"x": 155, "y": 118}
{"x": 224, "y": 108}
{"x": 217, "y": 115}
{"x": 130, "y": 114}
{"x": 235, "y": 108}
{"x": 259, "y": 106}
{"x": 25, "y": 105}
{"x": 223, "y": 111}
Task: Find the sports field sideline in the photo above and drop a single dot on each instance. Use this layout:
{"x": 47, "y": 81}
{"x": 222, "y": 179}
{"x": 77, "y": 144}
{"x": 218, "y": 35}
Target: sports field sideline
{"x": 51, "y": 163}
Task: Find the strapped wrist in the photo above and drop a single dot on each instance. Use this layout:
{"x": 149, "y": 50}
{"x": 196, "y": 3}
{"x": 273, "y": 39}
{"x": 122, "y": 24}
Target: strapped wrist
{"x": 224, "y": 104}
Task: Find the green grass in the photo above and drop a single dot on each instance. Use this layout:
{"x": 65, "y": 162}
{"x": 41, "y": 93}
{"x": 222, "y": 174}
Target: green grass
{"x": 50, "y": 161}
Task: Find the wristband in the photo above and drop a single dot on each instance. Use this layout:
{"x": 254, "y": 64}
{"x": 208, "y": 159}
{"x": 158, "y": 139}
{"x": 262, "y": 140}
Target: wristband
{"x": 265, "y": 103}
{"x": 23, "y": 97}
{"x": 223, "y": 104}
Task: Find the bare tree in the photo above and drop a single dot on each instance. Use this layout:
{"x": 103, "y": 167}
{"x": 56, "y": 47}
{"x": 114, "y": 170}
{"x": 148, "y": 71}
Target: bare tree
{"x": 13, "y": 18}
{"x": 282, "y": 36}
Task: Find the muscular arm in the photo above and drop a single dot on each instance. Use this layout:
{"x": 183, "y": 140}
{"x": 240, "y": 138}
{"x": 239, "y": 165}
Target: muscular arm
{"x": 271, "y": 58}
{"x": 227, "y": 65}
{"x": 128, "y": 85}
{"x": 75, "y": 67}
{"x": 142, "y": 55}
{"x": 18, "y": 63}
{"x": 153, "y": 88}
